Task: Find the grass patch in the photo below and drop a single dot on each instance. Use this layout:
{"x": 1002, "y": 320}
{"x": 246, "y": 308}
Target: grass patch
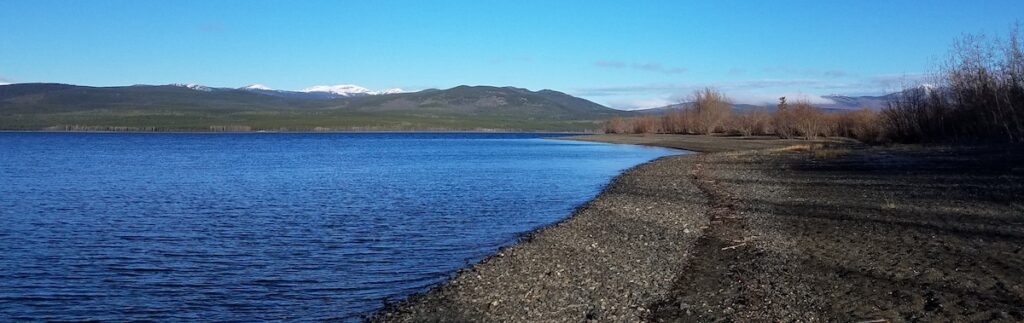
{"x": 818, "y": 151}
{"x": 831, "y": 153}
{"x": 802, "y": 147}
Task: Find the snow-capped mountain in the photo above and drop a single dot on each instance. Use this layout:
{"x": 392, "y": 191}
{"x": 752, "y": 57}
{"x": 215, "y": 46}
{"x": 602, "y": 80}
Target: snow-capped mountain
{"x": 266, "y": 90}
{"x": 347, "y": 90}
{"x": 257, "y": 86}
{"x": 193, "y": 86}
{"x": 320, "y": 92}
{"x": 928, "y": 87}
{"x": 341, "y": 89}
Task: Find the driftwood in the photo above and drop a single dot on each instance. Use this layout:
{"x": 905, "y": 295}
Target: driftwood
{"x": 734, "y": 247}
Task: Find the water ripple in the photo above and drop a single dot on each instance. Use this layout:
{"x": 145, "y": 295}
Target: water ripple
{"x": 241, "y": 227}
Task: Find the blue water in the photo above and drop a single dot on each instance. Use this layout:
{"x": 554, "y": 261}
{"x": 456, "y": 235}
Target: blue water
{"x": 115, "y": 226}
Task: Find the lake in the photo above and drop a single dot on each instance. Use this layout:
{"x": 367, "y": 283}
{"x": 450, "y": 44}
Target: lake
{"x": 279, "y": 226}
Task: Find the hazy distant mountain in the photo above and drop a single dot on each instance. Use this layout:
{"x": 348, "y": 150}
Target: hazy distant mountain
{"x": 857, "y": 102}
{"x": 194, "y": 107}
{"x": 876, "y": 102}
{"x": 680, "y": 106}
{"x": 839, "y": 103}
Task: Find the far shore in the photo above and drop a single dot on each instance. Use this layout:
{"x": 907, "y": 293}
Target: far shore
{"x": 696, "y": 143}
{"x": 296, "y": 131}
{"x": 763, "y": 229}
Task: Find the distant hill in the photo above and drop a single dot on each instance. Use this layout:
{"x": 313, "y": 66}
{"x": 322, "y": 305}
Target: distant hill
{"x": 680, "y": 106}
{"x": 840, "y": 103}
{"x": 857, "y": 102}
{"x": 41, "y": 106}
{"x": 486, "y": 101}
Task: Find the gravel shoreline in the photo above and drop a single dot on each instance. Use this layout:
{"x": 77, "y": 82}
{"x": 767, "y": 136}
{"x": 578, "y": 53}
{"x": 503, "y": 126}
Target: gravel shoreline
{"x": 750, "y": 231}
{"x": 612, "y": 259}
{"x": 861, "y": 234}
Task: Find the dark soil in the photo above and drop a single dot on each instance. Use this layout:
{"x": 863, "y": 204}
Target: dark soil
{"x": 859, "y": 234}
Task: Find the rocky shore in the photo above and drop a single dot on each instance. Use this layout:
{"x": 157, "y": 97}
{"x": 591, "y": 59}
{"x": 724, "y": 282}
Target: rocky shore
{"x": 760, "y": 229}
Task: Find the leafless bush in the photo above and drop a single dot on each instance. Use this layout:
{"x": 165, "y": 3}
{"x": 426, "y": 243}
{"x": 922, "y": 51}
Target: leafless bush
{"x": 864, "y": 125}
{"x": 980, "y": 96}
{"x": 648, "y": 124}
{"x": 749, "y": 123}
{"x": 679, "y": 121}
{"x": 710, "y": 110}
{"x": 617, "y": 125}
{"x": 917, "y": 115}
{"x": 810, "y": 121}
{"x": 783, "y": 120}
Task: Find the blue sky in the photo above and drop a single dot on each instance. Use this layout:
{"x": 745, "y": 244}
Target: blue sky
{"x": 623, "y": 54}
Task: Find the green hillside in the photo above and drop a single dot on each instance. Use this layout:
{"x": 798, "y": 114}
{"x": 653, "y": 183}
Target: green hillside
{"x": 175, "y": 108}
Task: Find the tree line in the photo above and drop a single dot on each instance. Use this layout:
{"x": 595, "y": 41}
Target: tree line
{"x": 977, "y": 96}
{"x": 710, "y": 112}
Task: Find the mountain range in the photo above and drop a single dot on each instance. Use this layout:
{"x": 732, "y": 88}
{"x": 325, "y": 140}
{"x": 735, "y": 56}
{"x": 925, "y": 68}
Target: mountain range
{"x": 838, "y": 103}
{"x": 321, "y": 91}
{"x": 191, "y": 107}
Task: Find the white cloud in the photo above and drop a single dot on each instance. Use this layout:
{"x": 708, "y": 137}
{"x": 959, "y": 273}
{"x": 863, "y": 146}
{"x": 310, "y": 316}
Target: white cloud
{"x": 637, "y": 104}
{"x": 896, "y": 82}
{"x": 773, "y": 98}
{"x": 751, "y": 91}
{"x": 753, "y": 98}
{"x": 741, "y": 91}
{"x": 647, "y": 67}
{"x": 626, "y": 90}
{"x": 655, "y": 67}
{"x": 788, "y": 70}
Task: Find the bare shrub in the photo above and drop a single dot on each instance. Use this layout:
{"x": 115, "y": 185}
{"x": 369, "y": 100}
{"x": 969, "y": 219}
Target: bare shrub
{"x": 783, "y": 120}
{"x": 679, "y": 121}
{"x": 749, "y": 123}
{"x": 710, "y": 110}
{"x": 647, "y": 124}
{"x": 917, "y": 115}
{"x": 980, "y": 97}
{"x": 808, "y": 120}
{"x": 864, "y": 125}
{"x": 617, "y": 125}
